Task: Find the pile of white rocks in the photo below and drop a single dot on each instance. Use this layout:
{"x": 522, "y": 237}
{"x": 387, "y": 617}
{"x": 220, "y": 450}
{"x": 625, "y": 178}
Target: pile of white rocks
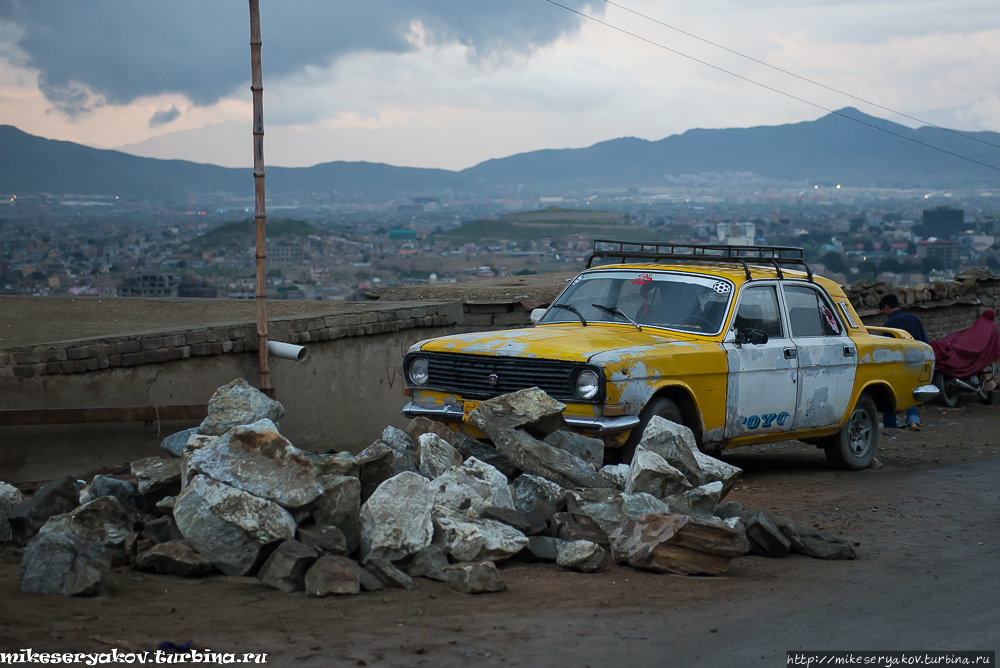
{"x": 235, "y": 496}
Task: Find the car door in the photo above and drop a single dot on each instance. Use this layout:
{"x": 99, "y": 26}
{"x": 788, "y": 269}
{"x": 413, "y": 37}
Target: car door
{"x": 760, "y": 391}
{"x": 827, "y": 357}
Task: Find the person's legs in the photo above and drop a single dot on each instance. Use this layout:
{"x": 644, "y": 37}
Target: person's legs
{"x": 913, "y": 419}
{"x": 889, "y": 420}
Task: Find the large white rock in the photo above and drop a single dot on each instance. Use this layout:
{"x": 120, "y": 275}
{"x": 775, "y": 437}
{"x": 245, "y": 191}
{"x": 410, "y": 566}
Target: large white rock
{"x": 716, "y": 470}
{"x": 259, "y": 460}
{"x": 9, "y": 495}
{"x": 616, "y": 475}
{"x": 236, "y": 403}
{"x": 436, "y": 455}
{"x": 105, "y": 520}
{"x": 700, "y": 501}
{"x": 396, "y": 519}
{"x": 581, "y": 555}
{"x": 228, "y": 526}
{"x": 676, "y": 444}
{"x": 402, "y": 448}
{"x": 650, "y": 473}
{"x": 469, "y": 539}
{"x": 340, "y": 506}
{"x": 472, "y": 487}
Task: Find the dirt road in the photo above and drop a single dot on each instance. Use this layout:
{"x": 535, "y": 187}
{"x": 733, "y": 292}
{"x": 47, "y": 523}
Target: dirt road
{"x": 926, "y": 578}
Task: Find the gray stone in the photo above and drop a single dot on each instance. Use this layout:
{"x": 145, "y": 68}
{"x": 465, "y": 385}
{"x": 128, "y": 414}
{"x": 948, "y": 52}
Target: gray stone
{"x": 532, "y": 491}
{"x": 464, "y": 538}
{"x": 340, "y": 506}
{"x": 429, "y": 563}
{"x": 581, "y": 555}
{"x": 166, "y": 505}
{"x": 230, "y": 527}
{"x": 577, "y": 526}
{"x": 175, "y": 557}
{"x": 435, "y": 456}
{"x": 639, "y": 503}
{"x": 158, "y": 477}
{"x": 161, "y": 530}
{"x": 676, "y": 444}
{"x": 667, "y": 543}
{"x": 237, "y": 403}
{"x": 174, "y": 444}
{"x": 387, "y": 573}
{"x": 53, "y": 498}
{"x": 762, "y": 529}
{"x": 541, "y": 548}
{"x": 728, "y": 509}
{"x": 106, "y": 520}
{"x": 533, "y": 456}
{"x": 123, "y": 490}
{"x": 530, "y": 408}
{"x": 616, "y": 475}
{"x": 530, "y": 524}
{"x": 590, "y": 450}
{"x": 472, "y": 487}
{"x": 334, "y": 463}
{"x": 700, "y": 501}
{"x": 333, "y": 575}
{"x": 195, "y": 442}
{"x": 9, "y": 496}
{"x": 402, "y": 447}
{"x": 651, "y": 473}
{"x": 396, "y": 520}
{"x": 61, "y": 563}
{"x": 716, "y": 470}
{"x": 325, "y": 539}
{"x": 465, "y": 444}
{"x": 368, "y": 581}
{"x": 285, "y": 570}
{"x": 475, "y": 578}
{"x": 604, "y": 506}
{"x": 257, "y": 459}
{"x": 375, "y": 466}
{"x": 814, "y": 543}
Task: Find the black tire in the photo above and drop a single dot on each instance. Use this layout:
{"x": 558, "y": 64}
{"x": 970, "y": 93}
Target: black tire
{"x": 988, "y": 399}
{"x": 944, "y": 398}
{"x": 853, "y": 448}
{"x": 661, "y": 406}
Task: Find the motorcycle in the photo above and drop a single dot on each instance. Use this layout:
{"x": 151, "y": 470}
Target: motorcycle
{"x": 966, "y": 361}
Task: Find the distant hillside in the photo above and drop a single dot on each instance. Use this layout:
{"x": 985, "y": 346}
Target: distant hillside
{"x": 241, "y": 233}
{"x": 558, "y": 223}
{"x": 829, "y": 150}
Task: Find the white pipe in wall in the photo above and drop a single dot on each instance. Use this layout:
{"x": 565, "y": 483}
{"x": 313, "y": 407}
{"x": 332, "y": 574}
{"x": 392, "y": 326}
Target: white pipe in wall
{"x": 286, "y": 351}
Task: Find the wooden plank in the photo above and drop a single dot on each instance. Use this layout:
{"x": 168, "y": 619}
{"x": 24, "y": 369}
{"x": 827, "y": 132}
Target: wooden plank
{"x": 47, "y": 416}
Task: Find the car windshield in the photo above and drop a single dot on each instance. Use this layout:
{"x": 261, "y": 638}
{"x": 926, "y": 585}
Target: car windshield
{"x": 659, "y": 299}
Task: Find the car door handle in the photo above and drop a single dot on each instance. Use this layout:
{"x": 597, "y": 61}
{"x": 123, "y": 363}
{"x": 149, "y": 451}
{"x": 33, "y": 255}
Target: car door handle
{"x": 791, "y": 353}
{"x": 848, "y": 351}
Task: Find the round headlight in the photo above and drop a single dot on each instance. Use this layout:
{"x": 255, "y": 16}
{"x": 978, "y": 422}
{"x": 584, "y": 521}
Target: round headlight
{"x": 418, "y": 371}
{"x": 587, "y": 384}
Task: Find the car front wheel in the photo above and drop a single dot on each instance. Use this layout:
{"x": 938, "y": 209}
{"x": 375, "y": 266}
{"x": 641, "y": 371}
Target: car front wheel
{"x": 854, "y": 447}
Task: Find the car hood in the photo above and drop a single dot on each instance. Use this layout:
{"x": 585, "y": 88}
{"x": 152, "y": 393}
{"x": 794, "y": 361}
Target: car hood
{"x": 572, "y": 343}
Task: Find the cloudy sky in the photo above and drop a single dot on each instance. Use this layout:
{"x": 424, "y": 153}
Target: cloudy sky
{"x": 449, "y": 83}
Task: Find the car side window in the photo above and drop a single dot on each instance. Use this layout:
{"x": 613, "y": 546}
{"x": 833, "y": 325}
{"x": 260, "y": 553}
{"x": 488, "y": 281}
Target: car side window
{"x": 759, "y": 310}
{"x": 809, "y": 315}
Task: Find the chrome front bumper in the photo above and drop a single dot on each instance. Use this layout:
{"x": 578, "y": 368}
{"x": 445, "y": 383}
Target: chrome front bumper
{"x": 604, "y": 426}
{"x": 925, "y": 393}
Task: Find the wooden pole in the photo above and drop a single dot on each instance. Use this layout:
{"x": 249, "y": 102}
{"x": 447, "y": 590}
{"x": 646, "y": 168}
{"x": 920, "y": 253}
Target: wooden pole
{"x": 259, "y": 211}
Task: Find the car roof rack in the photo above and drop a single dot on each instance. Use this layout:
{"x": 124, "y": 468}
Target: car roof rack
{"x": 630, "y": 251}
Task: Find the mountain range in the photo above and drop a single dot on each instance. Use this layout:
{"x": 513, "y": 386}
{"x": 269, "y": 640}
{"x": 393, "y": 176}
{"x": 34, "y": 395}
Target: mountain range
{"x": 831, "y": 149}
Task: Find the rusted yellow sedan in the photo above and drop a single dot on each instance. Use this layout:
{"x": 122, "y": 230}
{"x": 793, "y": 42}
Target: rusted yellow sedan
{"x": 744, "y": 345}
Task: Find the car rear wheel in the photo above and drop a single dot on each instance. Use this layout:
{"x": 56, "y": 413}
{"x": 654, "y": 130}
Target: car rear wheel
{"x": 854, "y": 447}
{"x": 661, "y": 406}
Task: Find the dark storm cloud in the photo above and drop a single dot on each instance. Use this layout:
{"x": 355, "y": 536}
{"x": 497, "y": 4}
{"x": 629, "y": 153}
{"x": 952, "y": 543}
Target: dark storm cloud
{"x": 163, "y": 117}
{"x": 125, "y": 49}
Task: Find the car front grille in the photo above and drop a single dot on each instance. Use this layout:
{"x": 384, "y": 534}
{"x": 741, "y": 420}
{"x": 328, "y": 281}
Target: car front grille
{"x": 469, "y": 375}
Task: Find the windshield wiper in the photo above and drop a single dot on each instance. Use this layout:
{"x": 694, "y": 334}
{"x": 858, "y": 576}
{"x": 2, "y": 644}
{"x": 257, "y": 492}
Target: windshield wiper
{"x": 617, "y": 311}
{"x": 570, "y": 307}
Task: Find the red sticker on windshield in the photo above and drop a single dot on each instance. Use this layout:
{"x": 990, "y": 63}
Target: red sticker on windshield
{"x": 830, "y": 319}
{"x": 642, "y": 279}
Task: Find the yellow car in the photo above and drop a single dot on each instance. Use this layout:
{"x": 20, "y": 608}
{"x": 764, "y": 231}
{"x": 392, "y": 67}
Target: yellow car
{"x": 743, "y": 344}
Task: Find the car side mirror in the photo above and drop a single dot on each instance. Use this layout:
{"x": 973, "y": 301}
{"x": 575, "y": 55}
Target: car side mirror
{"x": 536, "y": 314}
{"x": 754, "y": 337}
